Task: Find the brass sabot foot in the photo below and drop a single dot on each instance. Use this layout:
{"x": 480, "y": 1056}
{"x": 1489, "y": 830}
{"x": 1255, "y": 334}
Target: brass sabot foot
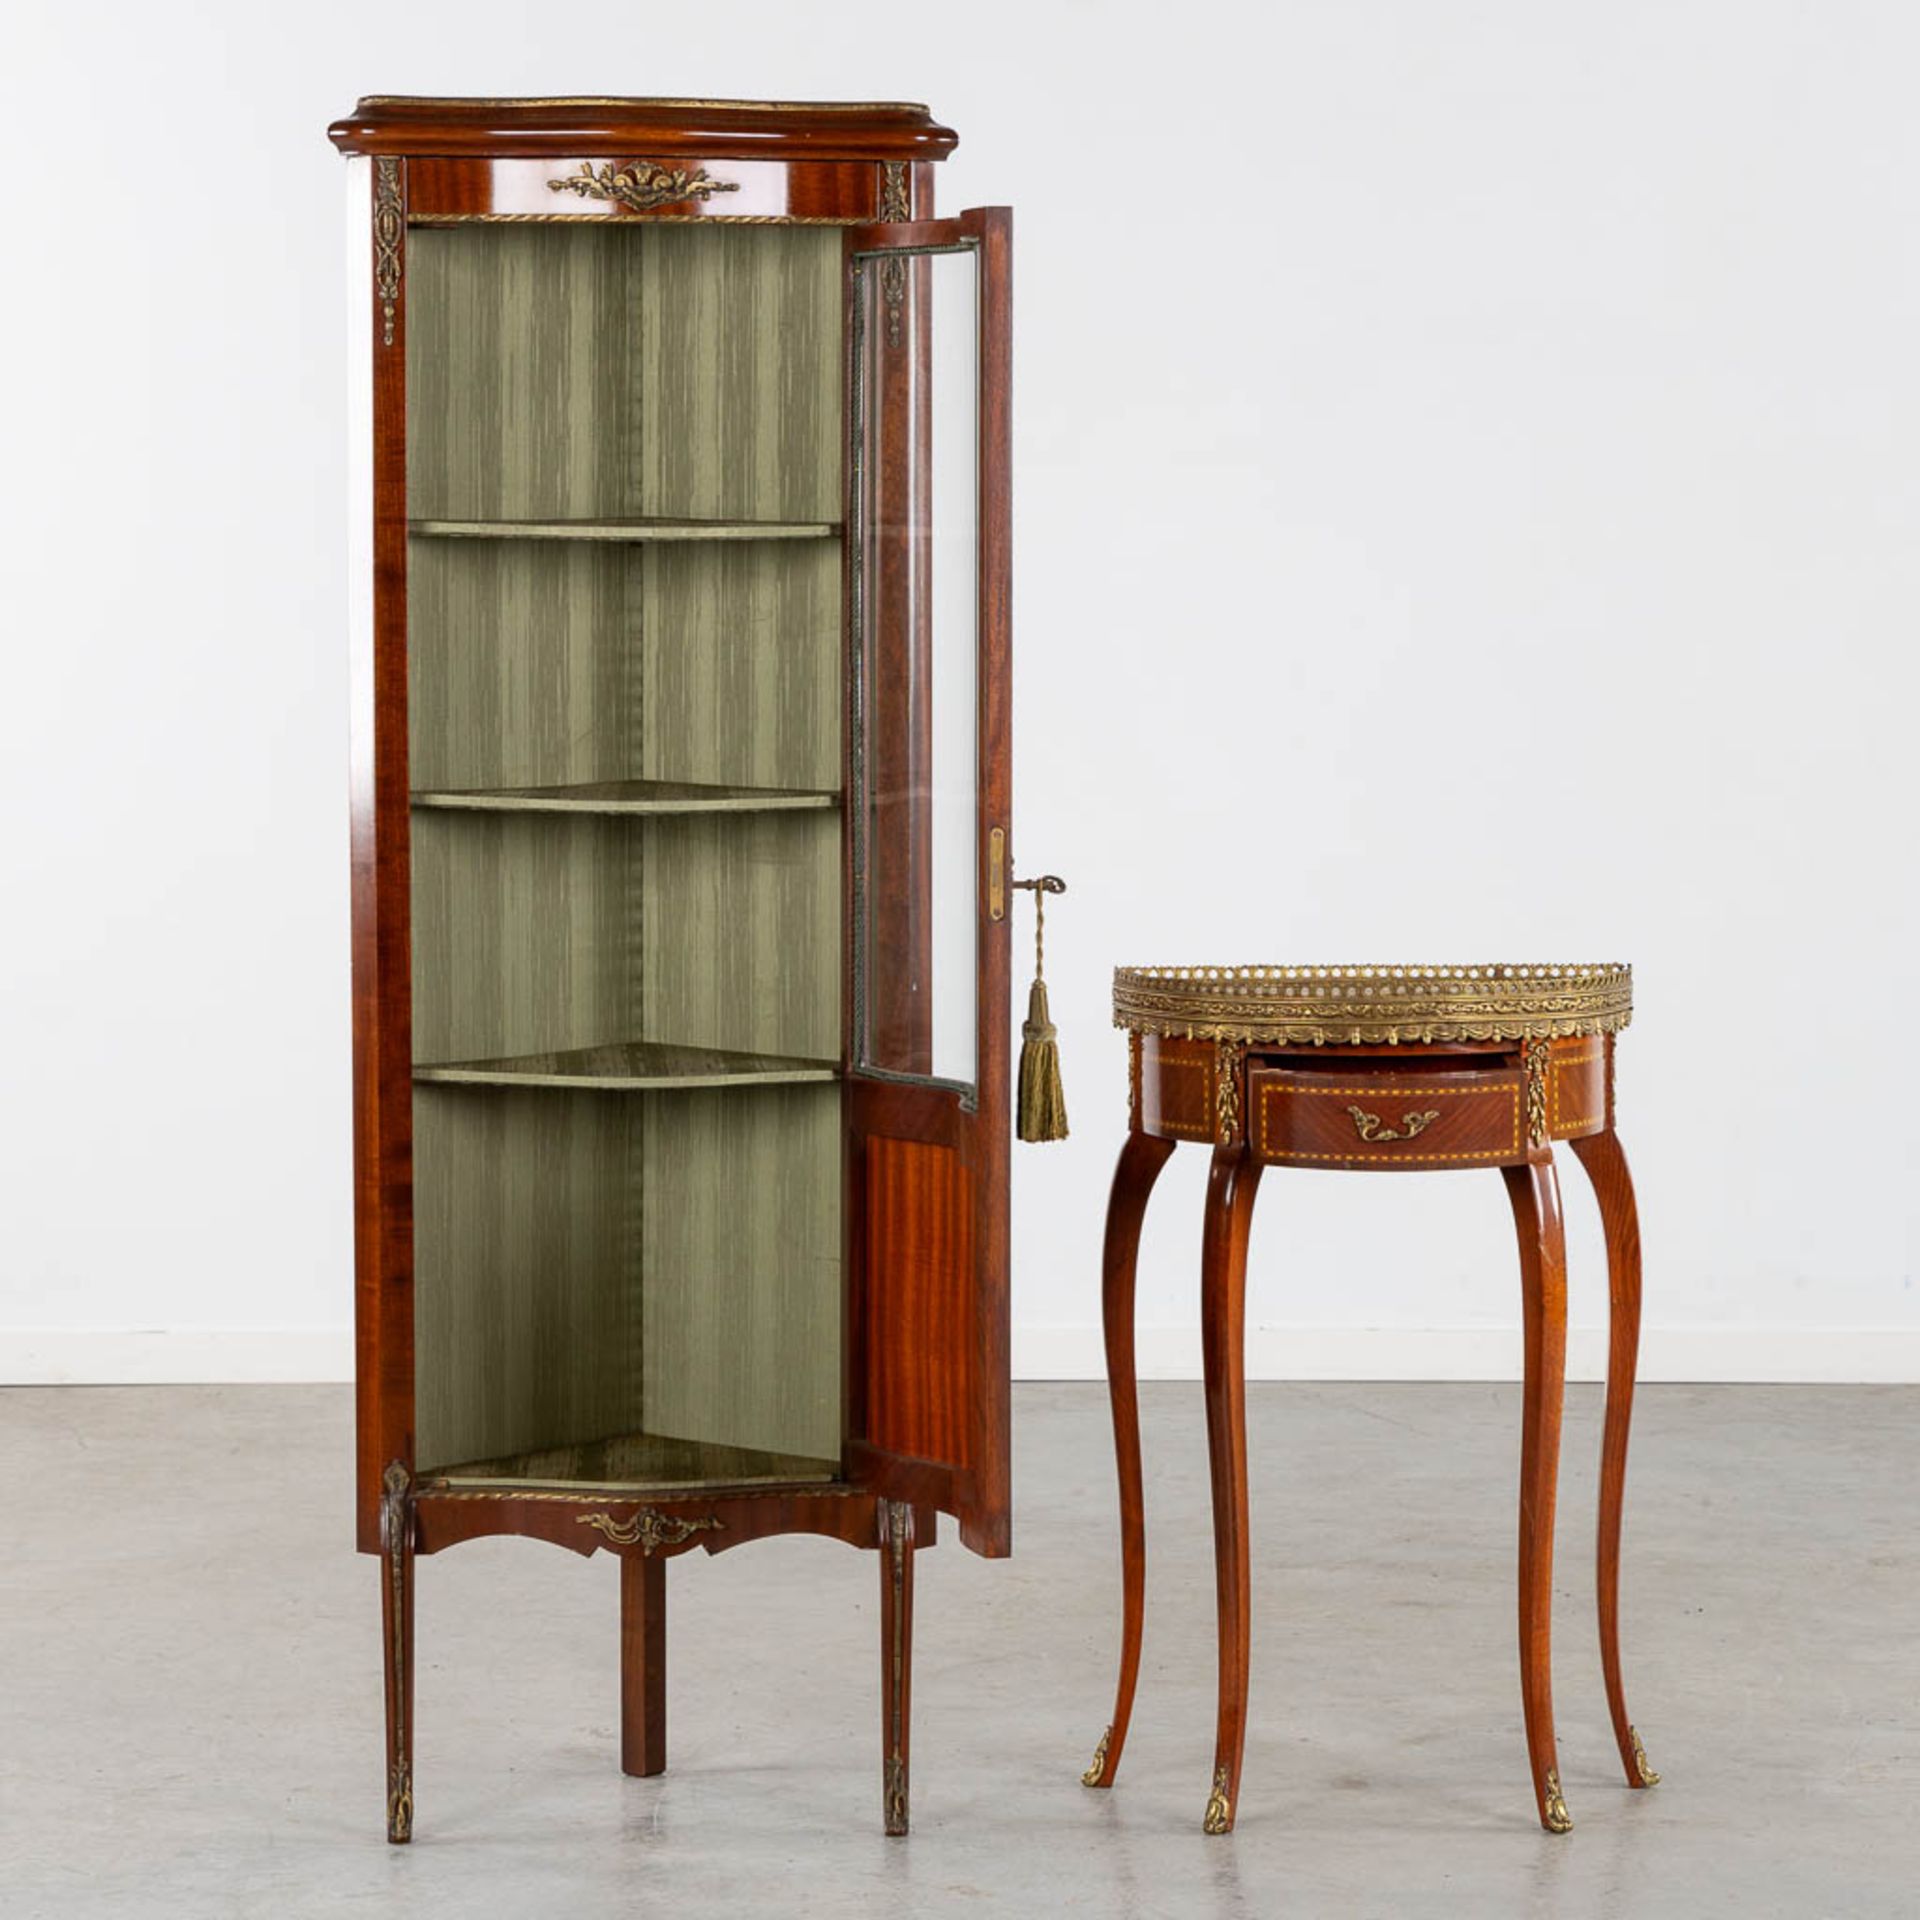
{"x": 1219, "y": 1817}
{"x": 1556, "y": 1818}
{"x": 1648, "y": 1778}
{"x": 400, "y": 1808}
{"x": 1097, "y": 1772}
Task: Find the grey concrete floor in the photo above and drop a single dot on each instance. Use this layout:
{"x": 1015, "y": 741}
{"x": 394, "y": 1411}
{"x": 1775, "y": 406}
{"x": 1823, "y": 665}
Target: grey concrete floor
{"x": 190, "y": 1688}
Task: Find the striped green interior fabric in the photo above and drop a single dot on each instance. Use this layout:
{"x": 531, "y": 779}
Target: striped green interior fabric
{"x": 624, "y": 1275}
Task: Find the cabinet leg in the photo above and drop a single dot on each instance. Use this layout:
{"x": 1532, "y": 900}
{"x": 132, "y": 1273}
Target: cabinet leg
{"x": 1141, "y": 1159}
{"x": 1606, "y": 1165}
{"x": 643, "y": 1664}
{"x": 396, "y": 1619}
{"x": 896, "y": 1658}
{"x": 1231, "y": 1185}
{"x": 1535, "y": 1194}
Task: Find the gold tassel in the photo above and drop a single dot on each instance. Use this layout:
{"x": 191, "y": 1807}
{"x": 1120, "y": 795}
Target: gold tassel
{"x": 1043, "y": 1100}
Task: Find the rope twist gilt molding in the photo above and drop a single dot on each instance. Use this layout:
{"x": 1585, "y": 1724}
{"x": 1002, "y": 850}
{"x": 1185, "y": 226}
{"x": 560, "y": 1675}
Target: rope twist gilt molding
{"x": 441, "y": 1489}
{"x": 649, "y": 1528}
{"x": 642, "y": 184}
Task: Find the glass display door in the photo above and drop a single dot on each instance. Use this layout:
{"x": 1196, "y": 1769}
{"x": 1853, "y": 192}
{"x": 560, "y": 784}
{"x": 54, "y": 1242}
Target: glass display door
{"x": 927, "y": 821}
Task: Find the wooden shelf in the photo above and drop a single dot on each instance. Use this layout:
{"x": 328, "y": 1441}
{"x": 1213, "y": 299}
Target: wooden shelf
{"x": 638, "y": 1463}
{"x": 632, "y": 1066}
{"x": 628, "y": 796}
{"x": 641, "y": 527}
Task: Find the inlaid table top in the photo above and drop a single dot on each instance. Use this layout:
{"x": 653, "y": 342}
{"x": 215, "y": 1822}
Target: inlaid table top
{"x": 1372, "y": 1006}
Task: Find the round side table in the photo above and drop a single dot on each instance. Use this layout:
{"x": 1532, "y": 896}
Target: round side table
{"x": 1375, "y": 1070}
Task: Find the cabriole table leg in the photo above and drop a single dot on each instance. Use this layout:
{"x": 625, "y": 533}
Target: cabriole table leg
{"x": 1535, "y": 1194}
{"x": 1606, "y": 1166}
{"x": 1231, "y": 1185}
{"x": 1141, "y": 1160}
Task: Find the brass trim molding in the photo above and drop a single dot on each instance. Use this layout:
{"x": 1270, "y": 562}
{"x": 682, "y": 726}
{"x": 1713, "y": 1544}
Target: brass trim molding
{"x": 896, "y": 204}
{"x": 1219, "y": 1815}
{"x": 659, "y": 220}
{"x": 1559, "y": 1820}
{"x": 585, "y": 1496}
{"x": 1091, "y": 1778}
{"x": 642, "y": 184}
{"x": 649, "y": 1528}
{"x": 389, "y": 238}
{"x": 396, "y": 1538}
{"x": 1228, "y": 1054}
{"x": 1368, "y": 1127}
{"x": 899, "y": 1537}
{"x": 1538, "y": 1056}
{"x": 634, "y": 100}
{"x": 1372, "y": 1006}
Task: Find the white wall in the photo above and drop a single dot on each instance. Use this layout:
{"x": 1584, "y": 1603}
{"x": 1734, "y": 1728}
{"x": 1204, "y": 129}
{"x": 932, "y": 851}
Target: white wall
{"x": 1468, "y": 470}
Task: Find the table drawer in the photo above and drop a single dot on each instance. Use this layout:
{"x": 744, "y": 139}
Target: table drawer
{"x": 1408, "y": 1120}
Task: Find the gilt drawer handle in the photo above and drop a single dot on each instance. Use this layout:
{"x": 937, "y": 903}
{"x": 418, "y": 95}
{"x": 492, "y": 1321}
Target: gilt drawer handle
{"x": 642, "y": 185}
{"x": 1368, "y": 1127}
{"x": 649, "y": 1528}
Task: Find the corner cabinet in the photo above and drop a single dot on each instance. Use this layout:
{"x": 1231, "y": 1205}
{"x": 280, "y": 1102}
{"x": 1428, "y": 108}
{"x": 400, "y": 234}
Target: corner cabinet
{"x": 680, "y": 850}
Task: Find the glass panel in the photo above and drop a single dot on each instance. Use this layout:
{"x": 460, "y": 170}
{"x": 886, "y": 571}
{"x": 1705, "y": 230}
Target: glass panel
{"x": 915, "y": 596}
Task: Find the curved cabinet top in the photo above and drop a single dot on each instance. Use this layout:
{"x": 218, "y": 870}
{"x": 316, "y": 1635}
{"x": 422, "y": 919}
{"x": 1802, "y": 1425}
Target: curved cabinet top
{"x": 769, "y": 129}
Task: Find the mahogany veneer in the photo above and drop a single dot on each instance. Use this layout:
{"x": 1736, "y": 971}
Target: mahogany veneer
{"x": 813, "y": 131}
{"x": 667, "y": 1233}
{"x": 1375, "y": 1070}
